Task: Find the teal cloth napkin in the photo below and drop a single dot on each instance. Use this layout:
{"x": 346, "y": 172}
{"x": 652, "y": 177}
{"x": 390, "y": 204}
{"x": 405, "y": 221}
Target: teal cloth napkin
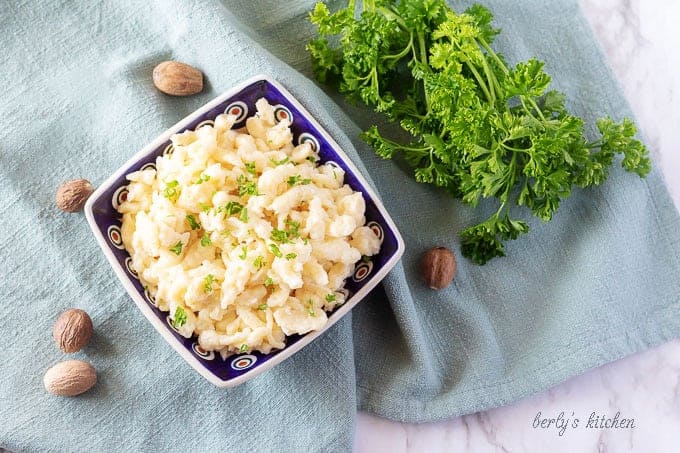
{"x": 597, "y": 283}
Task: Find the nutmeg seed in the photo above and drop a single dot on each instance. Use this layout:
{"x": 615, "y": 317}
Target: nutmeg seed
{"x": 438, "y": 267}
{"x": 177, "y": 79}
{"x": 72, "y": 195}
{"x": 70, "y": 378}
{"x": 73, "y": 330}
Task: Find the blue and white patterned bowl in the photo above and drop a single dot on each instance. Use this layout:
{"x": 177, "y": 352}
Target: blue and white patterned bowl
{"x": 105, "y": 223}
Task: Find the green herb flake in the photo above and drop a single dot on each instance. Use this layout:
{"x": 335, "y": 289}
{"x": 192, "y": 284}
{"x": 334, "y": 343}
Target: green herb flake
{"x": 244, "y": 215}
{"x": 275, "y": 250}
{"x": 171, "y": 192}
{"x": 305, "y": 181}
{"x": 279, "y": 236}
{"x": 204, "y": 207}
{"x": 231, "y": 208}
{"x": 279, "y": 162}
{"x": 330, "y": 297}
{"x": 180, "y": 318}
{"x": 177, "y": 248}
{"x": 207, "y": 282}
{"x": 193, "y": 223}
{"x": 311, "y": 158}
{"x": 262, "y": 307}
{"x": 205, "y": 240}
{"x": 203, "y": 178}
{"x": 250, "y": 168}
{"x": 243, "y": 348}
{"x": 268, "y": 282}
{"x": 310, "y": 308}
{"x": 291, "y": 256}
{"x": 244, "y": 252}
{"x": 246, "y": 186}
{"x": 292, "y": 180}
{"x": 258, "y": 262}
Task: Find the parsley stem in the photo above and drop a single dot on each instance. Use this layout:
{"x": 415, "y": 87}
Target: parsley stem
{"x": 493, "y": 55}
{"x": 401, "y": 54}
{"x": 388, "y": 13}
{"x": 535, "y": 106}
{"x": 480, "y": 81}
{"x": 491, "y": 80}
{"x": 512, "y": 148}
{"x": 526, "y": 109}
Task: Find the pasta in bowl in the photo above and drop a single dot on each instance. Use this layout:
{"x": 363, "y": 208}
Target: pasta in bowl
{"x": 242, "y": 236}
{"x": 243, "y": 232}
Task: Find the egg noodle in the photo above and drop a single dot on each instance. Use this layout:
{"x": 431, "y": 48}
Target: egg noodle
{"x": 241, "y": 236}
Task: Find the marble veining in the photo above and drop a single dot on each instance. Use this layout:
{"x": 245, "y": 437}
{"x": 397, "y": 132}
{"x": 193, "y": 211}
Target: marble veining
{"x": 640, "y": 39}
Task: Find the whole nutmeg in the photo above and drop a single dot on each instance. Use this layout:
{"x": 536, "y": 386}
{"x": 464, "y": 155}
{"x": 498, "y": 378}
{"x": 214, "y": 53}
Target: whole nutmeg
{"x": 438, "y": 267}
{"x": 177, "y": 79}
{"x": 70, "y": 378}
{"x": 72, "y": 195}
{"x": 73, "y": 330}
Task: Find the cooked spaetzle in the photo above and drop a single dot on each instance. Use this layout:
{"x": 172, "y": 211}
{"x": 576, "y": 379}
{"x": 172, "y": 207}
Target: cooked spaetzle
{"x": 241, "y": 236}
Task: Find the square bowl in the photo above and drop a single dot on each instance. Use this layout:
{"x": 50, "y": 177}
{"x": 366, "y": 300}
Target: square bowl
{"x": 105, "y": 223}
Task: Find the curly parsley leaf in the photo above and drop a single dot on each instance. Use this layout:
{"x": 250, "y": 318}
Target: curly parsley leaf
{"x": 480, "y": 128}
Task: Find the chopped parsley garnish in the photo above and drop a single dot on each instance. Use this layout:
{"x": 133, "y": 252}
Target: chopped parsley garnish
{"x": 207, "y": 282}
{"x": 293, "y": 228}
{"x": 279, "y": 236}
{"x": 246, "y": 186}
{"x": 180, "y": 318}
{"x": 262, "y": 307}
{"x": 297, "y": 179}
{"x": 310, "y": 310}
{"x": 291, "y": 256}
{"x": 330, "y": 297}
{"x": 275, "y": 250}
{"x": 203, "y": 178}
{"x": 244, "y": 215}
{"x": 231, "y": 208}
{"x": 284, "y": 236}
{"x": 269, "y": 282}
{"x": 243, "y": 348}
{"x": 205, "y": 240}
{"x": 258, "y": 262}
{"x": 171, "y": 192}
{"x": 311, "y": 158}
{"x": 177, "y": 248}
{"x": 205, "y": 207}
{"x": 250, "y": 168}
{"x": 244, "y": 252}
{"x": 193, "y": 223}
{"x": 279, "y": 162}
{"x": 305, "y": 241}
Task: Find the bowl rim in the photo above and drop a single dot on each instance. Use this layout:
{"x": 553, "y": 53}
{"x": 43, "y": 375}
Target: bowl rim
{"x": 144, "y": 307}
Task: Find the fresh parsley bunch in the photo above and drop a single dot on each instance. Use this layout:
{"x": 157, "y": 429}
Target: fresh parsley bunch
{"x": 479, "y": 128}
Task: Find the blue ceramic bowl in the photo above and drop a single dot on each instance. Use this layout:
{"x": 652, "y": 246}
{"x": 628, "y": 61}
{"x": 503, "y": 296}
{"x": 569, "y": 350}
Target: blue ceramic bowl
{"x": 105, "y": 223}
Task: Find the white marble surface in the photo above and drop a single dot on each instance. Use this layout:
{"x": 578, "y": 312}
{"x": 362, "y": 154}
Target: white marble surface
{"x": 640, "y": 38}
